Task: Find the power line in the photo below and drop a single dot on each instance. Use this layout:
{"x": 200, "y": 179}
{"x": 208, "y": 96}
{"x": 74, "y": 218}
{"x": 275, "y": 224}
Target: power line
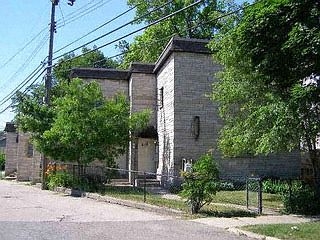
{"x": 129, "y": 34}
{"x": 29, "y": 59}
{"x": 168, "y": 37}
{"x": 85, "y": 12}
{"x": 11, "y": 104}
{"x": 22, "y": 84}
{"x": 23, "y": 48}
{"x": 97, "y": 28}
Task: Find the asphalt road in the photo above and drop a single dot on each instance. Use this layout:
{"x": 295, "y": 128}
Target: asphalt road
{"x": 27, "y": 212}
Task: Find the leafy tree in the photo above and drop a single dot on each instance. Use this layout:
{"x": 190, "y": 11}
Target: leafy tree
{"x": 88, "y": 58}
{"x": 80, "y": 125}
{"x": 201, "y": 184}
{"x": 269, "y": 87}
{"x": 34, "y": 116}
{"x": 88, "y": 127}
{"x": 196, "y": 22}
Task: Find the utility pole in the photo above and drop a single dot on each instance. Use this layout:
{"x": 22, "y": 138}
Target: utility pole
{"x": 48, "y": 82}
{"x": 48, "y": 77}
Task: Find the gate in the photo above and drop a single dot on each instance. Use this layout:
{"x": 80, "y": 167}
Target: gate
{"x": 254, "y": 194}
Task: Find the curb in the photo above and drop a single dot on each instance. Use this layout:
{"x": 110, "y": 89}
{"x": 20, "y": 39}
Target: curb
{"x": 240, "y": 232}
{"x": 126, "y": 203}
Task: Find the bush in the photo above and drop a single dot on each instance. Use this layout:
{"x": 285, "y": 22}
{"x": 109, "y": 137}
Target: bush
{"x": 274, "y": 186}
{"x": 2, "y": 161}
{"x": 301, "y": 199}
{"x": 59, "y": 179}
{"x": 201, "y": 184}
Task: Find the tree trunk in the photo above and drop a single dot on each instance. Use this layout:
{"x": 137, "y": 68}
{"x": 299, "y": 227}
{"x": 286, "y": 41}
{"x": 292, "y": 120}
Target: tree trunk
{"x": 315, "y": 160}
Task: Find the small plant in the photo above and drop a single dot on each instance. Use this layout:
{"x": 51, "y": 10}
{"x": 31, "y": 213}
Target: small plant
{"x": 274, "y": 186}
{"x": 2, "y": 161}
{"x": 58, "y": 177}
{"x": 201, "y": 184}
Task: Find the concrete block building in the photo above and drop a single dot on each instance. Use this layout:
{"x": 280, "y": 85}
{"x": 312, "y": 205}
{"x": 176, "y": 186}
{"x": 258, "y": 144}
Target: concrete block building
{"x": 21, "y": 158}
{"x": 185, "y": 123}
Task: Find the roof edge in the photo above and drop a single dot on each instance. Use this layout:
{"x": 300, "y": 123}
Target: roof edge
{"x": 178, "y": 44}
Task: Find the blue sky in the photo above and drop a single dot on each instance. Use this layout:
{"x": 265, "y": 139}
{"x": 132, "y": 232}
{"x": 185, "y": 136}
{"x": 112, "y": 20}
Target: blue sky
{"x": 21, "y": 21}
{"x": 24, "y": 21}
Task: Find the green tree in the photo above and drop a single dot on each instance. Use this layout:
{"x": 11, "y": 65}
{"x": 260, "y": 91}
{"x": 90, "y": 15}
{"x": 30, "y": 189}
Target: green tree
{"x": 88, "y": 58}
{"x": 201, "y": 184}
{"x": 88, "y": 127}
{"x": 269, "y": 88}
{"x": 196, "y": 22}
{"x": 35, "y": 117}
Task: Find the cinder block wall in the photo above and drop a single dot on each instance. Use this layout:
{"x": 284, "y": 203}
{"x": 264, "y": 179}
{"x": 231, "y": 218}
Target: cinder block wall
{"x": 166, "y": 117}
{"x": 28, "y": 167}
{"x": 194, "y": 75}
{"x": 11, "y": 153}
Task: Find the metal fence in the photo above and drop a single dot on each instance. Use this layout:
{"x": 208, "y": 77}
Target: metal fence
{"x": 256, "y": 194}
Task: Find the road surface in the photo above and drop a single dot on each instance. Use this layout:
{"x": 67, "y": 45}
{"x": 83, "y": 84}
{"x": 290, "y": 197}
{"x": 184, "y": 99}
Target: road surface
{"x": 27, "y": 212}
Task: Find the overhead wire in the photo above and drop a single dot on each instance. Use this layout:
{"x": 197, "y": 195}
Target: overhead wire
{"x": 170, "y": 36}
{"x": 114, "y": 30}
{"x": 95, "y": 29}
{"x": 85, "y": 12}
{"x": 126, "y": 35}
{"x": 23, "y": 48}
{"x": 11, "y": 104}
{"x": 29, "y": 59}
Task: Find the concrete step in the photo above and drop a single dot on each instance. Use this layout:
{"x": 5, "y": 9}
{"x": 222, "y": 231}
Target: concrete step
{"x": 149, "y": 182}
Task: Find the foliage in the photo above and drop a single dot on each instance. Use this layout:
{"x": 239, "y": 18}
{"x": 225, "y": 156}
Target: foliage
{"x": 2, "y": 161}
{"x": 32, "y": 115}
{"x": 201, "y": 184}
{"x": 269, "y": 88}
{"x": 58, "y": 177}
{"x": 79, "y": 125}
{"x": 301, "y": 199}
{"x": 88, "y": 127}
{"x": 88, "y": 58}
{"x": 196, "y": 22}
{"x": 274, "y": 186}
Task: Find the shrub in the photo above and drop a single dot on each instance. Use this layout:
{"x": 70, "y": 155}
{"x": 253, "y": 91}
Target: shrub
{"x": 201, "y": 184}
{"x": 274, "y": 186}
{"x": 2, "y": 161}
{"x": 300, "y": 198}
{"x": 59, "y": 179}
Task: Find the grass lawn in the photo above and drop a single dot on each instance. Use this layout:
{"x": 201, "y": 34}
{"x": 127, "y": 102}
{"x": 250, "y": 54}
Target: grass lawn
{"x": 136, "y": 194}
{"x": 302, "y": 231}
{"x": 239, "y": 198}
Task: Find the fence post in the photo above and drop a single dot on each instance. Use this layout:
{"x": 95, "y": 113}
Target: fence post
{"x": 144, "y": 187}
{"x": 260, "y": 196}
{"x": 247, "y": 194}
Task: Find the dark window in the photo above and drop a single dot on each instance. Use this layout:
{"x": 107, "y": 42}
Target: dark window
{"x": 30, "y": 150}
{"x": 195, "y": 126}
{"x": 161, "y": 98}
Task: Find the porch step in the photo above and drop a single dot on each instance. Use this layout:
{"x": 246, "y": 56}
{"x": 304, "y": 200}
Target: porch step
{"x": 119, "y": 182}
{"x": 149, "y": 183}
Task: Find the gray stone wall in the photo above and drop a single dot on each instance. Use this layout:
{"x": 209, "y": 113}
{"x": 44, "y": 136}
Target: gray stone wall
{"x": 28, "y": 167}
{"x": 194, "y": 75}
{"x": 111, "y": 87}
{"x": 11, "y": 153}
{"x": 166, "y": 117}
